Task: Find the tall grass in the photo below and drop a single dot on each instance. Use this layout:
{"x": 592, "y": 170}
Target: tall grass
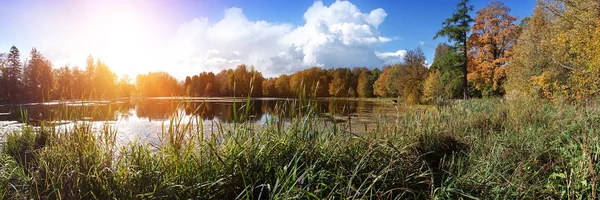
{"x": 490, "y": 148}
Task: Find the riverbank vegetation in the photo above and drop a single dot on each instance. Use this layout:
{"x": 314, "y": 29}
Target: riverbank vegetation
{"x": 492, "y": 148}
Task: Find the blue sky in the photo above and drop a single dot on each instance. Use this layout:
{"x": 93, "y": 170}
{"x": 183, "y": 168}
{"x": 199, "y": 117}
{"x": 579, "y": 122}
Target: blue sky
{"x": 186, "y": 37}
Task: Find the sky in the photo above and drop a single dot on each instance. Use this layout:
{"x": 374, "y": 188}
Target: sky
{"x": 186, "y": 37}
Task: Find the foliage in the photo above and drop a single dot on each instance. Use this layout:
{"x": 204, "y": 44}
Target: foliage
{"x": 12, "y": 75}
{"x": 157, "y": 84}
{"x": 493, "y": 36}
{"x": 557, "y": 46}
{"x": 455, "y": 28}
{"x": 404, "y": 80}
{"x": 432, "y": 88}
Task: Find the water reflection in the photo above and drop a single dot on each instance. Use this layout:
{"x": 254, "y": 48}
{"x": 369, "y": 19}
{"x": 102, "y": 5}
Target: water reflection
{"x": 148, "y": 116}
{"x": 223, "y": 110}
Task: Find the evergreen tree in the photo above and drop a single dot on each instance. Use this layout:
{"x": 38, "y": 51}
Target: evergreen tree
{"x": 455, "y": 28}
{"x": 13, "y": 75}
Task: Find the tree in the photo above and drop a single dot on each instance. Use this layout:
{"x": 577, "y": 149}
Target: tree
{"x": 409, "y": 78}
{"x": 432, "y": 88}
{"x": 490, "y": 47}
{"x": 382, "y": 86}
{"x": 340, "y": 82}
{"x": 187, "y": 86}
{"x": 157, "y": 84}
{"x": 268, "y": 86}
{"x": 38, "y": 77}
{"x": 79, "y": 83}
{"x": 124, "y": 87}
{"x": 13, "y": 75}
{"x": 64, "y": 83}
{"x": 404, "y": 80}
{"x": 105, "y": 81}
{"x": 455, "y": 28}
{"x": 555, "y": 53}
{"x": 2, "y": 75}
{"x": 282, "y": 85}
{"x": 448, "y": 63}
{"x": 365, "y": 87}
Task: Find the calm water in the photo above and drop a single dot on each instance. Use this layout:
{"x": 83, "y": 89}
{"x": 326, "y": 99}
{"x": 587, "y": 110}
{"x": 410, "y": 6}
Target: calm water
{"x": 143, "y": 119}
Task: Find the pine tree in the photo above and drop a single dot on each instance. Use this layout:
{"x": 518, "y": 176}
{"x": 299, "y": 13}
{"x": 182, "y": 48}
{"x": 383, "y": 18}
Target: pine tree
{"x": 455, "y": 28}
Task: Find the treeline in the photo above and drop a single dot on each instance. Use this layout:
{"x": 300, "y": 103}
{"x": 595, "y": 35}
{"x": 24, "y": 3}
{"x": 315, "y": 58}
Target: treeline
{"x": 36, "y": 81}
{"x": 553, "y": 54}
{"x": 404, "y": 80}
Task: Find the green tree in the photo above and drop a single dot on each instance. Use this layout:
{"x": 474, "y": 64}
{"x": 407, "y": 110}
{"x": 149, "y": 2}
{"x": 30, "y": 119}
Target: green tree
{"x": 64, "y": 83}
{"x": 105, "y": 81}
{"x": 2, "y": 76}
{"x": 455, "y": 28}
{"x": 124, "y": 87}
{"x": 448, "y": 64}
{"x": 39, "y": 79}
{"x": 13, "y": 75}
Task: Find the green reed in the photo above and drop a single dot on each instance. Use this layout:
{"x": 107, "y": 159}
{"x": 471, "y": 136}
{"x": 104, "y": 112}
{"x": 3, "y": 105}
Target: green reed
{"x": 481, "y": 148}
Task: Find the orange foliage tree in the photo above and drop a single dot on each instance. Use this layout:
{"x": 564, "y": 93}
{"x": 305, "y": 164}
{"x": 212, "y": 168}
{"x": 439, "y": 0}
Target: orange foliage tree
{"x": 493, "y": 36}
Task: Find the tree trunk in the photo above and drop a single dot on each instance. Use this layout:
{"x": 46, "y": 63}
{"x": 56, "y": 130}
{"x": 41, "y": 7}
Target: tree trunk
{"x": 465, "y": 72}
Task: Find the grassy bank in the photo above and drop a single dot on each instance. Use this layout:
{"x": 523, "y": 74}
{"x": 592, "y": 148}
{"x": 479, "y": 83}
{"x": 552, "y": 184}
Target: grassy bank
{"x": 520, "y": 148}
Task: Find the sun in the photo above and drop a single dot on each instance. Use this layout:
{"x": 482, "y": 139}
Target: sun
{"x": 121, "y": 40}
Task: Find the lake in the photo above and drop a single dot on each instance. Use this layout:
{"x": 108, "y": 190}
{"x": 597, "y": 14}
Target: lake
{"x": 144, "y": 118}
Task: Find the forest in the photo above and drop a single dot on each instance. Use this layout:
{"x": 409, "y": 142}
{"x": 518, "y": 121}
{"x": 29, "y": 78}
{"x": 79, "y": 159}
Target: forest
{"x": 553, "y": 54}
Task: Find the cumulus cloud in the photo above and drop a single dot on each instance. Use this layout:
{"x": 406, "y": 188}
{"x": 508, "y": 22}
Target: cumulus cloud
{"x": 390, "y": 58}
{"x": 339, "y": 35}
{"x": 336, "y": 35}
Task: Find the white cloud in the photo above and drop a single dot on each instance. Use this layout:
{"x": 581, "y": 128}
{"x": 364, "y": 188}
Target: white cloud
{"x": 392, "y": 57}
{"x": 338, "y": 35}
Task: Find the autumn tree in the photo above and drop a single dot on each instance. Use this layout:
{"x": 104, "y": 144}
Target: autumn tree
{"x": 268, "y": 86}
{"x": 382, "y": 86}
{"x": 282, "y": 85}
{"x": 554, "y": 55}
{"x": 157, "y": 84}
{"x": 340, "y": 82}
{"x": 313, "y": 82}
{"x": 364, "y": 86}
{"x": 432, "y": 88}
{"x": 225, "y": 78}
{"x": 490, "y": 48}
{"x": 187, "y": 86}
{"x": 404, "y": 80}
{"x": 411, "y": 76}
{"x": 455, "y": 28}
